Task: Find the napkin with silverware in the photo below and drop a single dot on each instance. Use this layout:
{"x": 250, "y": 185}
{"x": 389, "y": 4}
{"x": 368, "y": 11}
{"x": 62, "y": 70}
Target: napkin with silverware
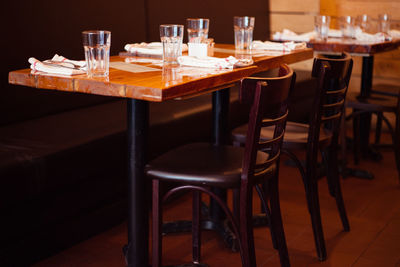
{"x": 153, "y": 49}
{"x": 285, "y": 46}
{"x": 213, "y": 62}
{"x": 58, "y": 65}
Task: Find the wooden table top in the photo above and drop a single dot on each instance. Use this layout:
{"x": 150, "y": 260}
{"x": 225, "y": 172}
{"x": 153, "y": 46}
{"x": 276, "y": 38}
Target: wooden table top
{"x": 156, "y": 82}
{"x": 352, "y": 46}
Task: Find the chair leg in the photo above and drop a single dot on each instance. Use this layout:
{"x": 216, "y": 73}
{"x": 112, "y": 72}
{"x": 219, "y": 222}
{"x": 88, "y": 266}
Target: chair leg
{"x": 276, "y": 223}
{"x": 396, "y": 143}
{"x": 156, "y": 225}
{"x": 299, "y": 166}
{"x": 343, "y": 145}
{"x": 334, "y": 185}
{"x": 356, "y": 139}
{"x": 246, "y": 226}
{"x": 235, "y": 203}
{"x": 263, "y": 194}
{"x": 196, "y": 236}
{"x": 316, "y": 219}
{"x": 378, "y": 129}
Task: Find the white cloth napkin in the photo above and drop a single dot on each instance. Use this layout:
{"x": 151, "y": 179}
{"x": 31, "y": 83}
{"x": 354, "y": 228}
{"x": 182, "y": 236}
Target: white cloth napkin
{"x": 288, "y": 35}
{"x": 335, "y": 33}
{"x": 58, "y": 65}
{"x": 372, "y": 38}
{"x": 208, "y": 62}
{"x": 154, "y": 48}
{"x": 395, "y": 34}
{"x": 286, "y": 46}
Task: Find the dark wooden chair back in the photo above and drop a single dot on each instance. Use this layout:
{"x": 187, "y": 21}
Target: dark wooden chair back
{"x": 333, "y": 74}
{"x": 269, "y": 108}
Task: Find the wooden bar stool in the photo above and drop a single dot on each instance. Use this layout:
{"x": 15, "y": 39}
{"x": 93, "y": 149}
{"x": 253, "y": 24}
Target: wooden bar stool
{"x": 201, "y": 166}
{"x": 321, "y": 134}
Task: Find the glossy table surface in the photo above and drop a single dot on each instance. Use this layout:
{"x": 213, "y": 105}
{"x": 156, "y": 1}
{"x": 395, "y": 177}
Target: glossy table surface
{"x": 152, "y": 81}
{"x": 352, "y": 46}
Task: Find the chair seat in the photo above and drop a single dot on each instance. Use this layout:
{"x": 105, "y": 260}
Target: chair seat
{"x": 202, "y": 164}
{"x": 296, "y": 135}
{"x": 376, "y": 102}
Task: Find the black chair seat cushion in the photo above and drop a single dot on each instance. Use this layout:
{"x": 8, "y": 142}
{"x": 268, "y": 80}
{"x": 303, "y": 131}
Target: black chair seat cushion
{"x": 296, "y": 135}
{"x": 202, "y": 164}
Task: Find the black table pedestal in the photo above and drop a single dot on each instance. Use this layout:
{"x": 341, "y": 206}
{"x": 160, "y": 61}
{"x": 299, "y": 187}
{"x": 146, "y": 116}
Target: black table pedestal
{"x": 136, "y": 251}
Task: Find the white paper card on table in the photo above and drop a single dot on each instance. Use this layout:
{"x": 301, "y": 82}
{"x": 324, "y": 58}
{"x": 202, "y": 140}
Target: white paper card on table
{"x": 198, "y": 49}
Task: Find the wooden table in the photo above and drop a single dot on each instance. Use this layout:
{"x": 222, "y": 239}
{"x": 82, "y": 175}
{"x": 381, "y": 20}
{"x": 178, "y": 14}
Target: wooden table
{"x": 158, "y": 84}
{"x": 367, "y": 52}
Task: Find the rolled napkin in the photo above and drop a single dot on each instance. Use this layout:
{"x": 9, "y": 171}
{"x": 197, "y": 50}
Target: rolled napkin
{"x": 288, "y": 35}
{"x": 154, "y": 48}
{"x": 372, "y": 38}
{"x": 286, "y": 46}
{"x": 395, "y": 34}
{"x": 212, "y": 62}
{"x": 58, "y": 65}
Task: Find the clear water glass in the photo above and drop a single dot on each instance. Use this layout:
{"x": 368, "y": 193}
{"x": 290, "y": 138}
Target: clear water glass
{"x": 171, "y": 36}
{"x": 96, "y": 45}
{"x": 348, "y": 26}
{"x": 384, "y": 23}
{"x": 321, "y": 23}
{"x": 243, "y": 28}
{"x": 365, "y": 23}
{"x": 197, "y": 29}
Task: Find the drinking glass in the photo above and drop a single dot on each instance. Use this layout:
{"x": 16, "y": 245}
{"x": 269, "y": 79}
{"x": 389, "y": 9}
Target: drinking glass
{"x": 384, "y": 23}
{"x": 321, "y": 23}
{"x": 97, "y": 52}
{"x": 365, "y": 23}
{"x": 171, "y": 36}
{"x": 197, "y": 30}
{"x": 243, "y": 27}
{"x": 347, "y": 26}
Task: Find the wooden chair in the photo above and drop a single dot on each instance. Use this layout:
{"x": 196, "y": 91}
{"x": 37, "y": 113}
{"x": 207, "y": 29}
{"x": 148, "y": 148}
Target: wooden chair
{"x": 384, "y": 98}
{"x": 321, "y": 134}
{"x": 201, "y": 166}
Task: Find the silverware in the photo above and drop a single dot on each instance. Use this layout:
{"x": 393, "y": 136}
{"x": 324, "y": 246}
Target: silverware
{"x": 68, "y": 65}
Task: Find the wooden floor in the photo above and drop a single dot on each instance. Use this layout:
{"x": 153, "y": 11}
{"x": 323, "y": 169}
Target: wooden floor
{"x": 373, "y": 207}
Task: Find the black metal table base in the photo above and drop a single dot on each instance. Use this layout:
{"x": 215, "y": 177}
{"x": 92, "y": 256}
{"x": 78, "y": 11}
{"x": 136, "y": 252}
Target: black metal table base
{"x": 354, "y": 172}
{"x": 220, "y": 227}
{"x": 372, "y": 153}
